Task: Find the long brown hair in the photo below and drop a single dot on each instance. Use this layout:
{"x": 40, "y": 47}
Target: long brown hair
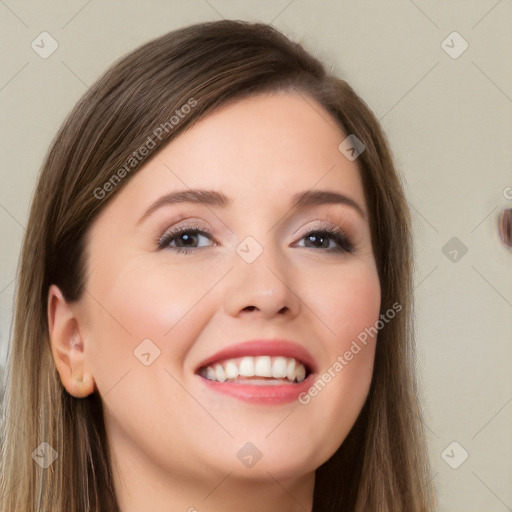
{"x": 383, "y": 464}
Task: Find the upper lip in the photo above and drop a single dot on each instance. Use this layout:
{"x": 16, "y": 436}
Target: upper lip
{"x": 263, "y": 347}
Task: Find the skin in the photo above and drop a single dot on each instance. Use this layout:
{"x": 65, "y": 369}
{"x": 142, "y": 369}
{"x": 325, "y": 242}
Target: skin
{"x": 174, "y": 441}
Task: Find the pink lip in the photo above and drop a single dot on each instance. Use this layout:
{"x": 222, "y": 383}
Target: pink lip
{"x": 277, "y": 394}
{"x": 254, "y": 348}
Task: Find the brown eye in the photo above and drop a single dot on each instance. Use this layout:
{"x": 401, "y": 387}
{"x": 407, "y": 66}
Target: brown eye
{"x": 321, "y": 239}
{"x": 183, "y": 240}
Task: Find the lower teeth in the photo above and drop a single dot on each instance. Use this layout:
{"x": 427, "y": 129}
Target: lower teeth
{"x": 259, "y": 381}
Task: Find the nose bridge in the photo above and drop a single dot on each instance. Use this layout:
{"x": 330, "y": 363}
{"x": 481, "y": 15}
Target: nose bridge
{"x": 260, "y": 280}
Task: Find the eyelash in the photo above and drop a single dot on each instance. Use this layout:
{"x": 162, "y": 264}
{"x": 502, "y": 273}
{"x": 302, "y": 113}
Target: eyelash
{"x": 343, "y": 242}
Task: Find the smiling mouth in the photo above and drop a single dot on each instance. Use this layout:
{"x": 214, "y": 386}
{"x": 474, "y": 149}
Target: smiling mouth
{"x": 258, "y": 371}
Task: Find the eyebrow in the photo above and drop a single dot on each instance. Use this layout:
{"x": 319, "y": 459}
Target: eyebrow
{"x": 219, "y": 199}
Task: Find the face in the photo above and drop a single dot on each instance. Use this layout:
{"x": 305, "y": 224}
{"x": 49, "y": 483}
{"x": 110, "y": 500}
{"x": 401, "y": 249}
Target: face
{"x": 184, "y": 294}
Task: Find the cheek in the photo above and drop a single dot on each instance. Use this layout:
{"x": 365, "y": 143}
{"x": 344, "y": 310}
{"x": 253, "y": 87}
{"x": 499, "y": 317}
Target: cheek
{"x": 159, "y": 302}
{"x": 347, "y": 301}
{"x": 349, "y": 306}
{"x": 354, "y": 309}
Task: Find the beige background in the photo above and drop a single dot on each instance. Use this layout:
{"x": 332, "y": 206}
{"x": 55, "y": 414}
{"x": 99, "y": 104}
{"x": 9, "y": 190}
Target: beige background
{"x": 449, "y": 124}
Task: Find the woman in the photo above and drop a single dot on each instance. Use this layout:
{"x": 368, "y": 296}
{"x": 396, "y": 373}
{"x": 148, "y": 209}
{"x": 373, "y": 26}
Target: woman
{"x": 214, "y": 298}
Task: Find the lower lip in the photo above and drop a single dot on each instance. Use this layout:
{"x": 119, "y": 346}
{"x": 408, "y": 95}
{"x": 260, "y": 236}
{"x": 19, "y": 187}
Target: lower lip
{"x": 274, "y": 394}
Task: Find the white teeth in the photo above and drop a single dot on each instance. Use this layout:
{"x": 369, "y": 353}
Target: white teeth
{"x": 219, "y": 373}
{"x": 246, "y": 368}
{"x": 210, "y": 373}
{"x": 300, "y": 373}
{"x": 262, "y": 366}
{"x": 231, "y": 370}
{"x": 279, "y": 368}
{"x": 290, "y": 369}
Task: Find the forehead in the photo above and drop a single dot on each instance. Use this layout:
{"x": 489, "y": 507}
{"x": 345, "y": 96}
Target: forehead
{"x": 257, "y": 150}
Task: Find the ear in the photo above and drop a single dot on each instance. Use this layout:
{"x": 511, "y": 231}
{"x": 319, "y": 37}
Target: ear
{"x": 67, "y": 346}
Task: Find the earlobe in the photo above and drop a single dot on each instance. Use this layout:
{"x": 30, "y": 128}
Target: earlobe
{"x": 67, "y": 346}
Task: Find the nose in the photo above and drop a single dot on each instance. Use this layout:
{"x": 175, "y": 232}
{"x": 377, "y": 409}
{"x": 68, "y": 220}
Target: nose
{"x": 262, "y": 289}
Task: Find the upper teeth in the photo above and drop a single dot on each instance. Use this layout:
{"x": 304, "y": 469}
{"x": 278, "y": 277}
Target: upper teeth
{"x": 260, "y": 366}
